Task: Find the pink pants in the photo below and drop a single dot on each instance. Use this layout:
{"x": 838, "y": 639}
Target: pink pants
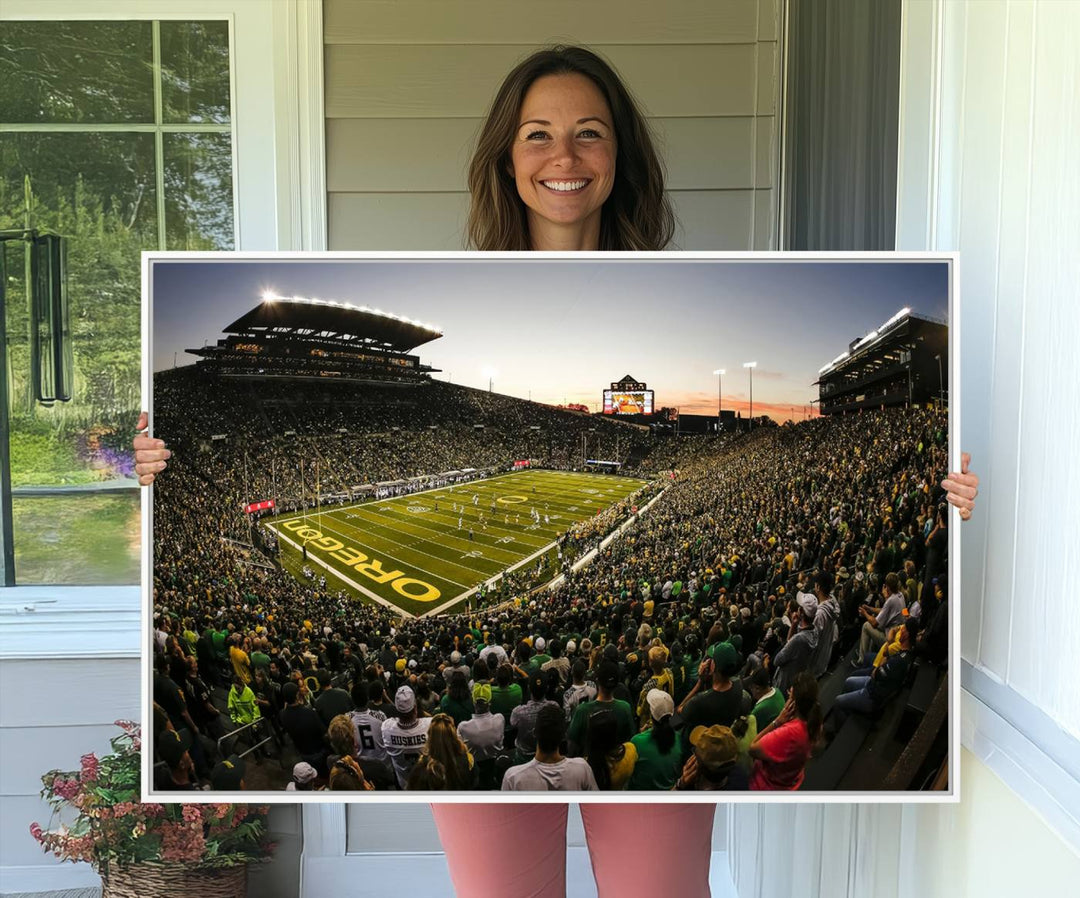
{"x": 519, "y": 850}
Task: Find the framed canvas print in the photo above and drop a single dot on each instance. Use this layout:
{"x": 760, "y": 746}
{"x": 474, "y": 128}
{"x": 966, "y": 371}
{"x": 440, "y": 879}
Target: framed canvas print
{"x": 492, "y": 528}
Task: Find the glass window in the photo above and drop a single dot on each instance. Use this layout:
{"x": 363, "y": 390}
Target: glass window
{"x": 76, "y": 72}
{"x": 195, "y": 72}
{"x": 118, "y": 136}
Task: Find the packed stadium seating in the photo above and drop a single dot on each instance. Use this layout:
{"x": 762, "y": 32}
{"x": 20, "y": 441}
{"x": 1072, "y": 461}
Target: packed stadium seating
{"x": 725, "y": 557}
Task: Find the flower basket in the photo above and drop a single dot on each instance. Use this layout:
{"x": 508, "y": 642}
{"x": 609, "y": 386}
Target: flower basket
{"x": 149, "y": 850}
{"x": 173, "y": 881}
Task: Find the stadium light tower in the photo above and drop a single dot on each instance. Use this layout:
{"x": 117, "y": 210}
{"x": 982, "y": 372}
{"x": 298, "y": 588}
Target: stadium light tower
{"x": 719, "y": 372}
{"x": 491, "y": 374}
{"x": 751, "y": 366}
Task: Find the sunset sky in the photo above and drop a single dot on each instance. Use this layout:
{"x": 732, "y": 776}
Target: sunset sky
{"x": 563, "y": 330}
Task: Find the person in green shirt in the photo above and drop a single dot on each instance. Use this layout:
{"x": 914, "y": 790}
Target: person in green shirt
{"x": 218, "y": 639}
{"x": 768, "y": 700}
{"x": 607, "y": 678}
{"x": 457, "y": 702}
{"x": 505, "y": 694}
{"x": 540, "y": 658}
{"x": 259, "y": 657}
{"x": 659, "y": 749}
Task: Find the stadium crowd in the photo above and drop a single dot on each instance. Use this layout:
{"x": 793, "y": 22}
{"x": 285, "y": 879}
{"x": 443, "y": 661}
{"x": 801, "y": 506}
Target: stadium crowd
{"x": 687, "y": 655}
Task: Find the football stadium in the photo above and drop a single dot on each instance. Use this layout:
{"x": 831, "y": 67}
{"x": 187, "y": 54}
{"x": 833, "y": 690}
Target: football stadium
{"x": 367, "y": 577}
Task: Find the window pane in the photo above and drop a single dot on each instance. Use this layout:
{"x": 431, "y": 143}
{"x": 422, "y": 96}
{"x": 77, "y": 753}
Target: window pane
{"x": 78, "y": 540}
{"x": 98, "y": 191}
{"x": 80, "y": 183}
{"x": 195, "y": 71}
{"x": 76, "y": 72}
{"x": 198, "y": 192}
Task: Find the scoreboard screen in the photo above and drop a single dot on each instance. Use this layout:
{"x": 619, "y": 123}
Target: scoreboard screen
{"x": 633, "y": 402}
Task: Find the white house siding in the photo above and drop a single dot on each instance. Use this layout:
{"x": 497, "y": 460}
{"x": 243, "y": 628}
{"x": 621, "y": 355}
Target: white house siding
{"x": 408, "y": 84}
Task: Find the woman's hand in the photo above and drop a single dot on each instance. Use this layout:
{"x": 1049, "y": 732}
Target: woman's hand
{"x": 150, "y": 454}
{"x": 962, "y": 488}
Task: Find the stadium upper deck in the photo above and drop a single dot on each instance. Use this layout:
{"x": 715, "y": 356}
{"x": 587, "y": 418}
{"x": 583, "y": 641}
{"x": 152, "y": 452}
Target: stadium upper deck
{"x": 296, "y": 337}
{"x": 903, "y": 362}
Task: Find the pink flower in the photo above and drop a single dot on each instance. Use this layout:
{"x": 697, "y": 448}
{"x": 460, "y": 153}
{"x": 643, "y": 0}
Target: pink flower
{"x": 192, "y": 813}
{"x": 183, "y": 842}
{"x": 36, "y": 832}
{"x": 65, "y": 788}
{"x": 89, "y": 767}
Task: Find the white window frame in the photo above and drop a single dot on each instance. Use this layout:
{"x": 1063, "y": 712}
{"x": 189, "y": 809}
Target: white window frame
{"x": 279, "y": 203}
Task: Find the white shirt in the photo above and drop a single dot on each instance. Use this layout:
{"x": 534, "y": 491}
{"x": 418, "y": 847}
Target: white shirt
{"x": 567, "y": 775}
{"x": 575, "y": 695}
{"x": 483, "y": 734}
{"x": 404, "y": 744}
{"x": 367, "y": 734}
{"x": 892, "y": 612}
{"x": 496, "y": 650}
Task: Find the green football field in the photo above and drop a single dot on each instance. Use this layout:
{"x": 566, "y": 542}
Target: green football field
{"x": 425, "y": 553}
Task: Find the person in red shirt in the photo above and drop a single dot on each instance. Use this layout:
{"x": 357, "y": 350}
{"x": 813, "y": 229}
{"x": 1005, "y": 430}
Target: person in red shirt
{"x": 781, "y": 750}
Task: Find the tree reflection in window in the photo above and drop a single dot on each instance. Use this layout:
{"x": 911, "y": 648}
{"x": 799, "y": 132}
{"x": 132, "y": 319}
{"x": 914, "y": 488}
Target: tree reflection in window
{"x": 117, "y": 135}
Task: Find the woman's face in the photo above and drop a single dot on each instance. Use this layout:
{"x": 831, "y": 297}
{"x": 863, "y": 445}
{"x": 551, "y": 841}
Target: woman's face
{"x": 563, "y": 154}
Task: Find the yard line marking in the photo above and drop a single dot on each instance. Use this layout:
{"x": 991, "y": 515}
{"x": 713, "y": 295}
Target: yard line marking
{"x": 399, "y": 561}
{"x": 447, "y": 538}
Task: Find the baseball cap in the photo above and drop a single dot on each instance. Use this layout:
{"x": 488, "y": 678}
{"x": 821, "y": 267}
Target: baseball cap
{"x": 399, "y": 665}
{"x": 228, "y": 775}
{"x": 482, "y": 692}
{"x": 455, "y": 657}
{"x": 539, "y": 643}
{"x": 171, "y": 746}
{"x": 607, "y": 674}
{"x": 404, "y": 699}
{"x": 724, "y": 657}
{"x": 571, "y": 647}
{"x": 807, "y": 604}
{"x": 715, "y": 746}
{"x": 303, "y": 773}
{"x": 660, "y": 703}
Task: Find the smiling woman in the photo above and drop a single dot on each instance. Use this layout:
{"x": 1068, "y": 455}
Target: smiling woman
{"x": 565, "y": 161}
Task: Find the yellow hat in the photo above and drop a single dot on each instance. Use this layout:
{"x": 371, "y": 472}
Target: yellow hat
{"x": 399, "y": 665}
